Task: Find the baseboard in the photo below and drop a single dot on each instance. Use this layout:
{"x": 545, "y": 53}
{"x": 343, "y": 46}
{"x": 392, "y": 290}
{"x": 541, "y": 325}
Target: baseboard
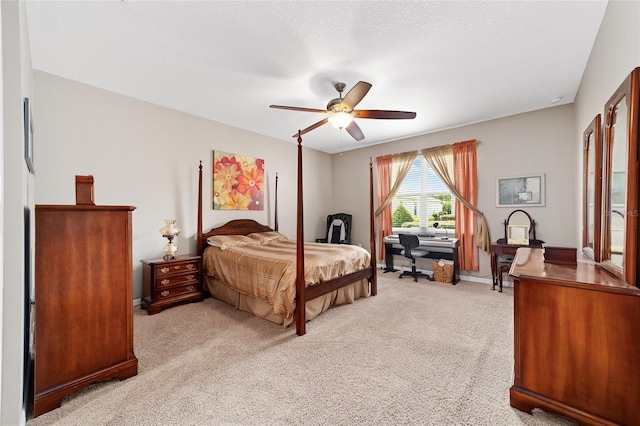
{"x": 475, "y": 279}
{"x": 462, "y": 277}
{"x": 136, "y": 302}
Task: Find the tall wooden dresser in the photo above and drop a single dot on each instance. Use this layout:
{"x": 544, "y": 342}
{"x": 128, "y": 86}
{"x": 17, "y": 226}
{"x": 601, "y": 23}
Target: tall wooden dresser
{"x": 83, "y": 299}
{"x": 577, "y": 341}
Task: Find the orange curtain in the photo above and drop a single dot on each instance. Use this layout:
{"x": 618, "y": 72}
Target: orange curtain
{"x": 398, "y": 169}
{"x": 383, "y": 166}
{"x": 462, "y": 172}
{"x": 465, "y": 171}
{"x": 389, "y": 183}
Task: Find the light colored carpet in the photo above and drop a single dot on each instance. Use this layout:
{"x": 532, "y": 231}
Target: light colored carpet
{"x": 421, "y": 353}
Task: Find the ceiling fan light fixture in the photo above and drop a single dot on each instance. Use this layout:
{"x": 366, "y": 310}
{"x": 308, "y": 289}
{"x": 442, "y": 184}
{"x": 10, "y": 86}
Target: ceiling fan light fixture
{"x": 340, "y": 119}
{"x": 341, "y": 111}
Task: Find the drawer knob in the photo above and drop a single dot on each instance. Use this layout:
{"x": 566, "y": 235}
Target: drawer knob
{"x": 164, "y": 293}
{"x": 164, "y": 270}
{"x": 164, "y": 282}
{"x": 190, "y": 277}
{"x": 190, "y": 288}
{"x": 191, "y": 266}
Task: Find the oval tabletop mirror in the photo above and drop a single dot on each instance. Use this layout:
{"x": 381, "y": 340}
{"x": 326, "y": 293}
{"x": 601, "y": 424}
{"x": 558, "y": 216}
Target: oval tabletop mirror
{"x": 518, "y": 227}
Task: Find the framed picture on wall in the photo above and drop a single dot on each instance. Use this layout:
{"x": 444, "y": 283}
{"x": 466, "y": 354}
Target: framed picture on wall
{"x": 238, "y": 182}
{"x": 28, "y": 135}
{"x": 520, "y": 191}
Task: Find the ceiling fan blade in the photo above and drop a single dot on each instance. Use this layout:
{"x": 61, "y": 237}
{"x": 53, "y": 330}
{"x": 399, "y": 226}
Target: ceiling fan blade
{"x": 313, "y": 126}
{"x": 355, "y": 131}
{"x": 383, "y": 114}
{"x": 292, "y": 108}
{"x": 355, "y": 95}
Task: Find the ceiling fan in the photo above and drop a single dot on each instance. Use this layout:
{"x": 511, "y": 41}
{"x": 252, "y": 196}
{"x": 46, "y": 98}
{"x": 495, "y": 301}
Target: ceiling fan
{"x": 342, "y": 113}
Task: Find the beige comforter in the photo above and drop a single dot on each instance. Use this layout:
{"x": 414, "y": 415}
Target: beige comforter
{"x": 268, "y": 271}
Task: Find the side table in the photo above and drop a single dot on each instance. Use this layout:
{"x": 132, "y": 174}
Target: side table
{"x": 167, "y": 282}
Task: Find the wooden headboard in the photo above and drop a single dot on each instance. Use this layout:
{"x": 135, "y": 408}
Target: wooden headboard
{"x": 233, "y": 227}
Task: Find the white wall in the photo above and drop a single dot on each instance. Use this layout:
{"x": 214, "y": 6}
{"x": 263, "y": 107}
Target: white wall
{"x": 539, "y": 141}
{"x": 17, "y": 195}
{"x": 615, "y": 53}
{"x": 147, "y": 156}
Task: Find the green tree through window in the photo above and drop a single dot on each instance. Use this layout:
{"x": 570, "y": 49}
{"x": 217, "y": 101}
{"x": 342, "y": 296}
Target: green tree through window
{"x": 401, "y": 215}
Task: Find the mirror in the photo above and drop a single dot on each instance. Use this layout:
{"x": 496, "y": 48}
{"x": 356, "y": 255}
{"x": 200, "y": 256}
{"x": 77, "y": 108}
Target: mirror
{"x": 519, "y": 217}
{"x": 617, "y": 189}
{"x": 620, "y": 181}
{"x": 520, "y": 229}
{"x": 592, "y": 183}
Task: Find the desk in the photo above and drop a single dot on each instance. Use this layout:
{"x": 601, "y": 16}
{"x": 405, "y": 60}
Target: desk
{"x": 503, "y": 249}
{"x": 438, "y": 249}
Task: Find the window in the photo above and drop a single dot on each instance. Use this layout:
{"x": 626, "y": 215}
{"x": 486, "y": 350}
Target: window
{"x": 422, "y": 199}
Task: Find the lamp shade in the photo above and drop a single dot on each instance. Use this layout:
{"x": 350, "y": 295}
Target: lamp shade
{"x": 169, "y": 228}
{"x": 340, "y": 119}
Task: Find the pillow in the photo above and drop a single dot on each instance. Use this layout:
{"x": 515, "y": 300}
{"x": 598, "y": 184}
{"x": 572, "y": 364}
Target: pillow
{"x": 226, "y": 241}
{"x": 268, "y": 237}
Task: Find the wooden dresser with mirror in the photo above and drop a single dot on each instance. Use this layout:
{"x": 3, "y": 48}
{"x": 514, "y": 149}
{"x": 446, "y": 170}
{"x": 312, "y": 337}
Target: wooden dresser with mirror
{"x": 577, "y": 327}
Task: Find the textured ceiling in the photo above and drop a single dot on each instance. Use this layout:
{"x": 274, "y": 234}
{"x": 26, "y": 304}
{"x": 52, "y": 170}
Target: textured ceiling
{"x": 452, "y": 62}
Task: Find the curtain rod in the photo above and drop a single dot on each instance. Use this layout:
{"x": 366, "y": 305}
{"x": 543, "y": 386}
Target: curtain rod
{"x": 478, "y": 142}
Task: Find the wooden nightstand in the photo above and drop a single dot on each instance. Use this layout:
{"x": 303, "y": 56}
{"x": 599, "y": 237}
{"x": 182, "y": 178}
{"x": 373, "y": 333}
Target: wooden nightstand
{"x": 167, "y": 282}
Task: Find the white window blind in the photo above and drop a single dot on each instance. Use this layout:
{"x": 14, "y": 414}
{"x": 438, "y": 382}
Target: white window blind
{"x": 423, "y": 194}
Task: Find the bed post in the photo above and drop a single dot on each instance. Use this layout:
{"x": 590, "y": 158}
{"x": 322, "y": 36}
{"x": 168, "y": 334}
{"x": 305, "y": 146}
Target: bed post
{"x": 372, "y": 233}
{"x": 199, "y": 224}
{"x": 275, "y": 225}
{"x": 300, "y": 282}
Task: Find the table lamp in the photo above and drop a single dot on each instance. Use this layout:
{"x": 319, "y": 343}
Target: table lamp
{"x": 170, "y": 231}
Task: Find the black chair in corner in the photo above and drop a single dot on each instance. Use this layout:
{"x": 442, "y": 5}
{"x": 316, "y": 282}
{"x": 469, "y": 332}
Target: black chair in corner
{"x": 411, "y": 249}
{"x": 338, "y": 229}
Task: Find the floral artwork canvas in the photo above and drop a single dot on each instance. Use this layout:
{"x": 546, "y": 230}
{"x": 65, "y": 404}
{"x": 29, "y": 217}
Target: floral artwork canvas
{"x": 238, "y": 182}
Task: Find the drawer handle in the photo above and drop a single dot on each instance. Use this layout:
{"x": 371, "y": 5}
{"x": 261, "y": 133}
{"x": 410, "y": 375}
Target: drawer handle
{"x": 191, "y": 266}
{"x": 164, "y": 293}
{"x": 190, "y": 277}
{"x": 164, "y": 270}
{"x": 190, "y": 288}
{"x": 176, "y": 267}
{"x": 165, "y": 282}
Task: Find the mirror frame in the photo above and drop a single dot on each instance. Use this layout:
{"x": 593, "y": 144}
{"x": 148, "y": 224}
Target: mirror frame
{"x": 628, "y": 90}
{"x": 593, "y": 130}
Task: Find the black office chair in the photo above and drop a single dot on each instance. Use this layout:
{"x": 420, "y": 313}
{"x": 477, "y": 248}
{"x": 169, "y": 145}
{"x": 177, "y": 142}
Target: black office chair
{"x": 338, "y": 229}
{"x": 411, "y": 250}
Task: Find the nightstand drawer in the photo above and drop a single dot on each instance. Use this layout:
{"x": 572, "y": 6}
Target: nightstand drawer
{"x": 174, "y": 280}
{"x": 176, "y": 268}
{"x": 176, "y": 291}
{"x": 169, "y": 282}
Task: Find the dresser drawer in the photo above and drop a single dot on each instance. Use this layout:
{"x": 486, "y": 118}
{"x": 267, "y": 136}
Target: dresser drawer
{"x": 176, "y": 268}
{"x": 176, "y": 280}
{"x": 176, "y": 291}
{"x": 169, "y": 282}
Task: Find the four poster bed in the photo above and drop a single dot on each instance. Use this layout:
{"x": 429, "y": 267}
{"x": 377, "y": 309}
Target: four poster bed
{"x": 256, "y": 269}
